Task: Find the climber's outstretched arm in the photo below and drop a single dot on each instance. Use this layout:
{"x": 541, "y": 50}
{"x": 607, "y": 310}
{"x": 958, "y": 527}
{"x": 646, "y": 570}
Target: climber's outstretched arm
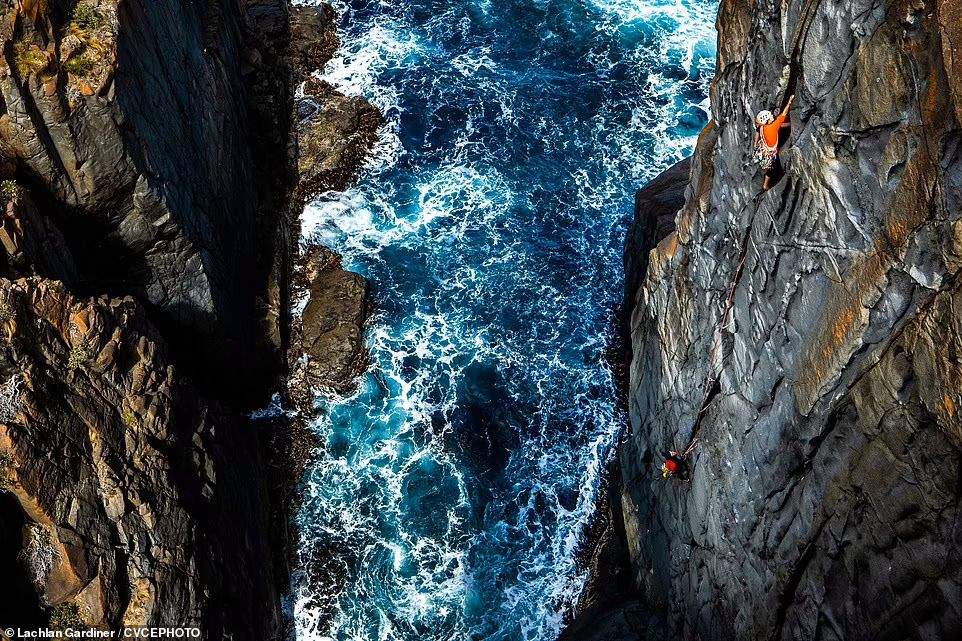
{"x": 788, "y": 105}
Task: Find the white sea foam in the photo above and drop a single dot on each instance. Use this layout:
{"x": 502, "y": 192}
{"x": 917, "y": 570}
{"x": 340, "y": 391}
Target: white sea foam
{"x": 457, "y": 240}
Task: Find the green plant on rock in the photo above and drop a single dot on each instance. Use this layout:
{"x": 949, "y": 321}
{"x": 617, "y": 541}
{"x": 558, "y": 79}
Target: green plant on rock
{"x": 9, "y": 189}
{"x": 87, "y": 17}
{"x": 79, "y": 355}
{"x": 66, "y": 615}
{"x": 30, "y": 58}
{"x": 129, "y": 418}
{"x": 81, "y": 65}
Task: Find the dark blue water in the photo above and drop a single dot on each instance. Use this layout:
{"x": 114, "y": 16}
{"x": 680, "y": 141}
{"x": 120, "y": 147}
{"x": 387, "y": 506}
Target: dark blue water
{"x": 453, "y": 488}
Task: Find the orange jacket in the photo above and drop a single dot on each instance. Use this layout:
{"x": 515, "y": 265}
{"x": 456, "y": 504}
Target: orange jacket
{"x": 771, "y": 130}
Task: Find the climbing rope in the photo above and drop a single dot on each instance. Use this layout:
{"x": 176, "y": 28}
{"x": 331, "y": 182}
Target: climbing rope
{"x": 675, "y": 460}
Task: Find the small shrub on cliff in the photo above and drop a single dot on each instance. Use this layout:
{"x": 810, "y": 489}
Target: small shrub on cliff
{"x": 87, "y": 17}
{"x": 10, "y": 399}
{"x": 129, "y": 418}
{"x": 66, "y": 615}
{"x": 29, "y": 58}
{"x": 80, "y": 65}
{"x": 79, "y": 356}
{"x": 9, "y": 190}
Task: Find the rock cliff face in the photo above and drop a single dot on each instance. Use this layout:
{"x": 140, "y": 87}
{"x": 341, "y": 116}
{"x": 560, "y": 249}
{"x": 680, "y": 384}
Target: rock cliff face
{"x": 157, "y": 137}
{"x": 823, "y": 500}
{"x": 126, "y": 477}
{"x": 147, "y": 182}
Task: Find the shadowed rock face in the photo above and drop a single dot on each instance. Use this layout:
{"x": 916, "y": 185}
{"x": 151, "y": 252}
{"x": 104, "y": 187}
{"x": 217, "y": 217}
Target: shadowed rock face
{"x": 147, "y": 154}
{"x": 157, "y": 136}
{"x": 824, "y": 493}
{"x": 609, "y": 608}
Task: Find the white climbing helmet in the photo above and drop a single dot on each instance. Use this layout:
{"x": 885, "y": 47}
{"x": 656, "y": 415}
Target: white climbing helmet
{"x": 764, "y": 117}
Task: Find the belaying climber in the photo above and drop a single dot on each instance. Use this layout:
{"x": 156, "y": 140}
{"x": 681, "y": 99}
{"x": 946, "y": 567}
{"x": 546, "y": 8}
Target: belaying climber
{"x": 767, "y": 141}
{"x": 673, "y": 465}
{"x": 676, "y": 463}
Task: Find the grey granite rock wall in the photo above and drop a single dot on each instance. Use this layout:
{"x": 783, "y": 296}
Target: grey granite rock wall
{"x": 824, "y": 493}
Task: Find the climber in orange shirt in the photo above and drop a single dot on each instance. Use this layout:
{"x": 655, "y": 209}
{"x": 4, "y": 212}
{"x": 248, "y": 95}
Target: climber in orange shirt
{"x": 767, "y": 140}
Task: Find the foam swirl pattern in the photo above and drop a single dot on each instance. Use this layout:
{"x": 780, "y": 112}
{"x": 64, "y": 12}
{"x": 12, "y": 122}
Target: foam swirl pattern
{"x": 454, "y": 486}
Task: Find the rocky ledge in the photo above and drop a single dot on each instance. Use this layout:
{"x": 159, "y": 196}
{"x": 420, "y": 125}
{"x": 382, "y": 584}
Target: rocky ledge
{"x": 335, "y": 132}
{"x": 335, "y": 135}
{"x": 823, "y": 495}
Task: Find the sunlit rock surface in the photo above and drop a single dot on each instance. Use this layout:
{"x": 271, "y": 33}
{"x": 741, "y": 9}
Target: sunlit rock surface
{"x": 141, "y": 498}
{"x": 824, "y": 493}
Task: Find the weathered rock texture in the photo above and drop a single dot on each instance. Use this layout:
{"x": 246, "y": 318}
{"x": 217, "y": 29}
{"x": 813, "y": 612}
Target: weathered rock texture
{"x": 335, "y": 134}
{"x": 314, "y": 38}
{"x": 824, "y": 493}
{"x": 32, "y": 243}
{"x": 129, "y": 478}
{"x": 331, "y": 329}
{"x": 337, "y": 131}
{"x": 655, "y": 208}
{"x": 147, "y": 158}
{"x": 157, "y": 137}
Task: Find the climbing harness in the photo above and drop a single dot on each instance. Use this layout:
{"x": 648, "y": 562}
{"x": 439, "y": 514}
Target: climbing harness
{"x": 674, "y": 464}
{"x": 764, "y": 155}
